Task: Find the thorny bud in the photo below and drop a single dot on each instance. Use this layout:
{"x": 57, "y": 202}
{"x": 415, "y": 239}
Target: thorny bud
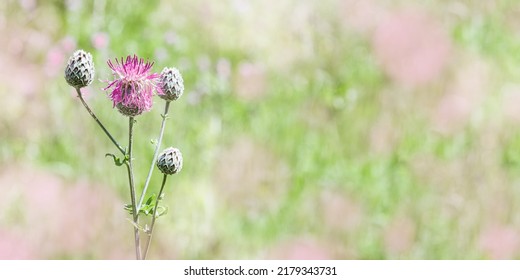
{"x": 171, "y": 84}
{"x": 80, "y": 69}
{"x": 170, "y": 161}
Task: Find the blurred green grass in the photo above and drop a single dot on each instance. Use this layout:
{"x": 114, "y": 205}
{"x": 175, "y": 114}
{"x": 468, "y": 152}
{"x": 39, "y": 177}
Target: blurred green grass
{"x": 315, "y": 116}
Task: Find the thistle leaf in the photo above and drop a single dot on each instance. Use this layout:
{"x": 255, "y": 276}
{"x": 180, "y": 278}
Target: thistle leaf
{"x": 117, "y": 161}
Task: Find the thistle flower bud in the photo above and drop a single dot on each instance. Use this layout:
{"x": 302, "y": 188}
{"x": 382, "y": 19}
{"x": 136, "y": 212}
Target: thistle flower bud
{"x": 170, "y": 161}
{"x": 171, "y": 84}
{"x": 80, "y": 69}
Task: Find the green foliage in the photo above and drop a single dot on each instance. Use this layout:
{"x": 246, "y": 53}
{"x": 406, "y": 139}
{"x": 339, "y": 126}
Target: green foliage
{"x": 117, "y": 161}
{"x": 148, "y": 207}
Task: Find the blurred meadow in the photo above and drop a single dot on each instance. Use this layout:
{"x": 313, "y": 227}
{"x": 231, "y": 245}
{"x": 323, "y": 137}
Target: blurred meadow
{"x": 334, "y": 129}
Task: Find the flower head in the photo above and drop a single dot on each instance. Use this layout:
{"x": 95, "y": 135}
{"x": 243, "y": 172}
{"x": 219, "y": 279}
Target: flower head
{"x": 170, "y": 161}
{"x": 170, "y": 85}
{"x": 133, "y": 86}
{"x": 80, "y": 69}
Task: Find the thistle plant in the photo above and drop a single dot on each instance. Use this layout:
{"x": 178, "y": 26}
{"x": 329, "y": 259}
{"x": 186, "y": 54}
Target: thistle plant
{"x": 131, "y": 91}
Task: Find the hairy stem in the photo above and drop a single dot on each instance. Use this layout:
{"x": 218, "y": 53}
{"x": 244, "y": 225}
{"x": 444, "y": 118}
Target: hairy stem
{"x": 132, "y": 188}
{"x": 99, "y": 122}
{"x": 156, "y": 152}
{"x": 154, "y": 217}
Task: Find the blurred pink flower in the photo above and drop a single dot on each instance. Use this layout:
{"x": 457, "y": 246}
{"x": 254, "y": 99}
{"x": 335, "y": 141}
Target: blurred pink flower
{"x": 510, "y": 102}
{"x": 133, "y": 85}
{"x": 68, "y": 44}
{"x": 500, "y": 242}
{"x": 341, "y": 212}
{"x": 250, "y": 81}
{"x": 54, "y": 62}
{"x": 50, "y": 218}
{"x": 14, "y": 247}
{"x": 100, "y": 40}
{"x": 362, "y": 16}
{"x": 204, "y": 63}
{"x": 86, "y": 92}
{"x": 28, "y": 5}
{"x": 253, "y": 179}
{"x": 223, "y": 69}
{"x": 452, "y": 113}
{"x": 171, "y": 38}
{"x": 161, "y": 54}
{"x": 301, "y": 249}
{"x": 411, "y": 47}
{"x": 383, "y": 136}
{"x": 399, "y": 235}
{"x": 57, "y": 55}
{"x": 463, "y": 95}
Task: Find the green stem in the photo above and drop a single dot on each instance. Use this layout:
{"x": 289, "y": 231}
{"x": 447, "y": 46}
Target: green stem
{"x": 154, "y": 217}
{"x": 132, "y": 188}
{"x": 99, "y": 122}
{"x": 155, "y": 154}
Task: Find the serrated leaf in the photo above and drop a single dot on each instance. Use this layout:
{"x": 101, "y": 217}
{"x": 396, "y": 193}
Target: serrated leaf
{"x": 147, "y": 209}
{"x": 128, "y": 207}
{"x": 117, "y": 161}
{"x": 161, "y": 211}
{"x": 150, "y": 200}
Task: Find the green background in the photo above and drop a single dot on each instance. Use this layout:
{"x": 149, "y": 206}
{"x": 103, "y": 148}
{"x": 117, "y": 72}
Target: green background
{"x": 309, "y": 129}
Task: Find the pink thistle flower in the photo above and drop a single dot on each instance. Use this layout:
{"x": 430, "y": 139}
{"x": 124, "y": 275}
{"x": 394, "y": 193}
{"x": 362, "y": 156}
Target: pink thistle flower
{"x": 100, "y": 40}
{"x": 133, "y": 85}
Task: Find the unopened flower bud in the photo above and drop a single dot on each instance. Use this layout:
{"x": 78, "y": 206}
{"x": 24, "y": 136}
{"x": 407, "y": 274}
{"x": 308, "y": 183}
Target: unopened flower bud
{"x": 170, "y": 161}
{"x": 80, "y": 69}
{"x": 171, "y": 84}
